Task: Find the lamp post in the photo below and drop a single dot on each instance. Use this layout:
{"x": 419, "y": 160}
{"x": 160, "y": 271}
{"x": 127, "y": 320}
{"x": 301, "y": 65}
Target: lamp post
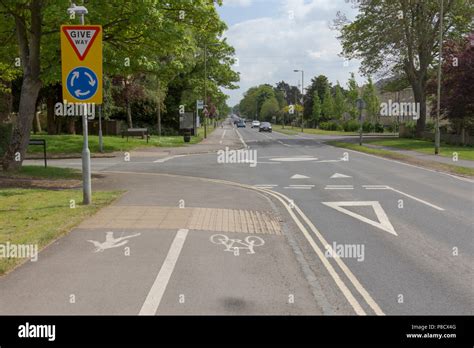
{"x": 86, "y": 154}
{"x": 438, "y": 106}
{"x": 302, "y": 96}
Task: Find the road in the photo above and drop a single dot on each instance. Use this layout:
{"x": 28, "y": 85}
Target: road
{"x": 344, "y": 233}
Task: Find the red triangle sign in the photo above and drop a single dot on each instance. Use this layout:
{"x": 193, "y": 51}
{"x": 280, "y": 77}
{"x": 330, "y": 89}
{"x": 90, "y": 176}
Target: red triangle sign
{"x": 81, "y": 38}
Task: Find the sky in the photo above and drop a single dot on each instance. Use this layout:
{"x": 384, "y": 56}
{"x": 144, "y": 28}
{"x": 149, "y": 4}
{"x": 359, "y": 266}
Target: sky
{"x": 274, "y": 37}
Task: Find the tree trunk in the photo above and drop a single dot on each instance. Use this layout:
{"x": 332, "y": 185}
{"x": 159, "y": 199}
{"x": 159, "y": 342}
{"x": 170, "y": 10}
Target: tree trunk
{"x": 51, "y": 122}
{"x": 129, "y": 115}
{"x": 419, "y": 91}
{"x": 159, "y": 118}
{"x": 71, "y": 125}
{"x": 36, "y": 123}
{"x": 16, "y": 151}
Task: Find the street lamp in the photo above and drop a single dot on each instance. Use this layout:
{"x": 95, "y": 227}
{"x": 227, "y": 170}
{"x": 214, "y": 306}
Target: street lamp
{"x": 205, "y": 84}
{"x": 86, "y": 154}
{"x": 438, "y": 106}
{"x": 302, "y": 95}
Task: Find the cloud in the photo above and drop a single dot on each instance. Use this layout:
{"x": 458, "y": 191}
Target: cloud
{"x": 270, "y": 48}
{"x": 239, "y": 3}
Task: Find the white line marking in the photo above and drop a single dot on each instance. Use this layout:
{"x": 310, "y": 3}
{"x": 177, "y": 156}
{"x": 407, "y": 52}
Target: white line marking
{"x": 407, "y": 164}
{"x": 240, "y": 137}
{"x": 384, "y": 187}
{"x": 338, "y": 175}
{"x": 264, "y": 185}
{"x": 299, "y": 176}
{"x": 281, "y": 142}
{"x": 293, "y": 159}
{"x": 383, "y": 223}
{"x": 417, "y": 199}
{"x": 152, "y": 302}
{"x": 297, "y": 187}
{"x": 222, "y": 137}
{"x": 342, "y": 286}
{"x": 161, "y": 160}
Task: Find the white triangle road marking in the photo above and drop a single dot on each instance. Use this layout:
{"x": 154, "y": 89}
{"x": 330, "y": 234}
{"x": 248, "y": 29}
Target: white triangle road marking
{"x": 299, "y": 176}
{"x": 383, "y": 223}
{"x": 338, "y": 175}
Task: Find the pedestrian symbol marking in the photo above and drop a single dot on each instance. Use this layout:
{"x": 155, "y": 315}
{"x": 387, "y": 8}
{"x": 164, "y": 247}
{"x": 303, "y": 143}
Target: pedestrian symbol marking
{"x": 235, "y": 245}
{"x": 383, "y": 223}
{"x": 82, "y": 83}
{"x": 111, "y": 242}
{"x": 81, "y": 38}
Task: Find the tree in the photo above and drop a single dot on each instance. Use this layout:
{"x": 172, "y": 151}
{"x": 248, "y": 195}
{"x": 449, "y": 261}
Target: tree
{"x": 148, "y": 37}
{"x": 457, "y": 89}
{"x": 409, "y": 44}
{"x": 339, "y": 102}
{"x": 352, "y": 95}
{"x": 316, "y": 111}
{"x": 372, "y": 102}
{"x": 270, "y": 108}
{"x": 318, "y": 84}
{"x": 328, "y": 105}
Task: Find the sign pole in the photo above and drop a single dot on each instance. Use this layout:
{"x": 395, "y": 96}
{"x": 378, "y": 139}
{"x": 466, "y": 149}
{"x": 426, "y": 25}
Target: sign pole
{"x": 86, "y": 157}
{"x": 101, "y": 148}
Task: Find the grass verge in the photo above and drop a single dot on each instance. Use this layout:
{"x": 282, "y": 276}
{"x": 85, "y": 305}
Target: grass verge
{"x": 464, "y": 171}
{"x": 40, "y": 172}
{"x": 425, "y": 146}
{"x": 67, "y": 144}
{"x": 34, "y": 216}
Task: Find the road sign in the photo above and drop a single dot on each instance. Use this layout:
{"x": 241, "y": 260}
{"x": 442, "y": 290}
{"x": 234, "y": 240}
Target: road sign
{"x": 81, "y": 62}
{"x": 200, "y": 104}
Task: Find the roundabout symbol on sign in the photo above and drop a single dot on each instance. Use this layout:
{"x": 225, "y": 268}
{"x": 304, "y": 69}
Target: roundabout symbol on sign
{"x": 82, "y": 83}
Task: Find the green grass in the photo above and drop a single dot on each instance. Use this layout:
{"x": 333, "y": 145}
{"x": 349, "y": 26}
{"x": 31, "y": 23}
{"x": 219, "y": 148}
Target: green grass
{"x": 295, "y": 130}
{"x": 39, "y": 172}
{"x": 33, "y": 216}
{"x": 72, "y": 144}
{"x": 425, "y": 146}
{"x": 405, "y": 158}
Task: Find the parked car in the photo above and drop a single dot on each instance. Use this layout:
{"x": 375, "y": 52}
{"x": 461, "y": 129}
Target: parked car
{"x": 265, "y": 127}
{"x": 255, "y": 124}
{"x": 241, "y": 124}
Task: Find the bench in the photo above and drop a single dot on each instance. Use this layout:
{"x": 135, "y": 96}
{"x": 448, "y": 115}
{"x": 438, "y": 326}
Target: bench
{"x": 136, "y": 132}
{"x": 41, "y": 142}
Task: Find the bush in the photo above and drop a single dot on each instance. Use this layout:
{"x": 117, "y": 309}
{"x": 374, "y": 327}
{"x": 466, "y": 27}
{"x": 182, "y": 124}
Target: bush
{"x": 378, "y": 128}
{"x": 330, "y": 125}
{"x": 367, "y": 127}
{"x": 351, "y": 126}
{"x": 391, "y": 128}
{"x": 429, "y": 126}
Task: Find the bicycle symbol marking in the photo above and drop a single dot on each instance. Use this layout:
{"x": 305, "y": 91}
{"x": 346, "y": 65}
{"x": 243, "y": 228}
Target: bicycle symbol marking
{"x": 235, "y": 245}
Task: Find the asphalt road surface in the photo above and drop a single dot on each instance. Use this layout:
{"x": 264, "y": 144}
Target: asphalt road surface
{"x": 352, "y": 234}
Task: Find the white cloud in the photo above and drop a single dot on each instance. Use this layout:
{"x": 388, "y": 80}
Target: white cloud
{"x": 270, "y": 48}
{"x": 240, "y": 3}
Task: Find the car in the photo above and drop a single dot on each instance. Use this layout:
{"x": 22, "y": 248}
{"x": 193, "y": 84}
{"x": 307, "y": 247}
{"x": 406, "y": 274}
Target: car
{"x": 255, "y": 124}
{"x": 241, "y": 124}
{"x": 265, "y": 127}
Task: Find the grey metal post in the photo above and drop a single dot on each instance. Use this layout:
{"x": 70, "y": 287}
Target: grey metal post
{"x": 437, "y": 132}
{"x": 101, "y": 149}
{"x": 302, "y": 100}
{"x": 205, "y": 90}
{"x": 86, "y": 158}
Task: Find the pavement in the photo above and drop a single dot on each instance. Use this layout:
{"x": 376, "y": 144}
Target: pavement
{"x": 307, "y": 229}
